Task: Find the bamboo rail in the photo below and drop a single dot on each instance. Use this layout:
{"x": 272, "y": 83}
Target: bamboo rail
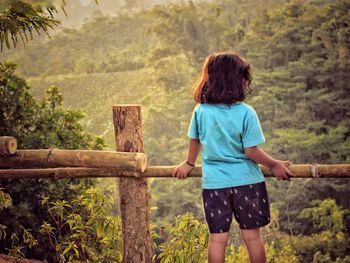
{"x": 42, "y": 158}
{"x": 300, "y": 170}
{"x": 8, "y": 145}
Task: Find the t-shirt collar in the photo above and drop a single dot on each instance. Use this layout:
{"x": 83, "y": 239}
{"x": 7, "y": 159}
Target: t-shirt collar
{"x": 226, "y": 106}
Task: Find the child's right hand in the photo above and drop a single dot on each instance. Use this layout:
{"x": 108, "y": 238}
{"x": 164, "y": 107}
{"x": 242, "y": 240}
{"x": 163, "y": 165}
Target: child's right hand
{"x": 280, "y": 170}
{"x": 181, "y": 171}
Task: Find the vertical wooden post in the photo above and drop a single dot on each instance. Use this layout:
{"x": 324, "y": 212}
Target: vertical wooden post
{"x": 134, "y": 196}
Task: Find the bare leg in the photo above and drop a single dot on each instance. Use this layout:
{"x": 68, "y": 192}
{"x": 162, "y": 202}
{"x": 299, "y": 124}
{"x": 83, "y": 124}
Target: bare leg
{"x": 254, "y": 243}
{"x": 216, "y": 247}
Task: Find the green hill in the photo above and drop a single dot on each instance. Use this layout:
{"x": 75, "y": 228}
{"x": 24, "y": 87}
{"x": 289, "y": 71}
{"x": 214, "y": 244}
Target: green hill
{"x": 95, "y": 93}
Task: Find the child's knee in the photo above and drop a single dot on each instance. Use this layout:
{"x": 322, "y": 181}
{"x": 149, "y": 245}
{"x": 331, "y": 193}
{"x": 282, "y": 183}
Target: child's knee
{"x": 251, "y": 235}
{"x": 221, "y": 238}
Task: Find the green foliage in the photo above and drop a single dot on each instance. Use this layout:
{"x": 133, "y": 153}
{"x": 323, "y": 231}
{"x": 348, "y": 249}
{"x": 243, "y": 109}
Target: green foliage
{"x": 37, "y": 124}
{"x": 41, "y": 124}
{"x": 20, "y": 19}
{"x": 93, "y": 235}
{"x": 330, "y": 243}
{"x": 188, "y": 241}
{"x": 285, "y": 254}
{"x": 108, "y": 51}
{"x": 309, "y": 248}
{"x": 299, "y": 52}
{"x": 188, "y": 236}
{"x": 5, "y": 200}
{"x": 326, "y": 215}
{"x": 82, "y": 230}
{"x": 17, "y": 244}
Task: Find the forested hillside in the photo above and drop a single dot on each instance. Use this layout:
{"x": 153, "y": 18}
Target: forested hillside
{"x": 300, "y": 55}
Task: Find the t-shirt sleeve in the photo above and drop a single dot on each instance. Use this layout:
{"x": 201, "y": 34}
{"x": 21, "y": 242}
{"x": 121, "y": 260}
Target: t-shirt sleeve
{"x": 252, "y": 134}
{"x": 193, "y": 127}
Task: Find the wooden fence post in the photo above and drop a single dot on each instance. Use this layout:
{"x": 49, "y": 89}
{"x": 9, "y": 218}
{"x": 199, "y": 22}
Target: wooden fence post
{"x": 134, "y": 196}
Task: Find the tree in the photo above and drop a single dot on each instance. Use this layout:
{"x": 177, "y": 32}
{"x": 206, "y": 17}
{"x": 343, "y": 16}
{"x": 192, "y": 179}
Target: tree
{"x": 37, "y": 124}
{"x": 300, "y": 52}
{"x": 19, "y": 18}
{"x": 329, "y": 243}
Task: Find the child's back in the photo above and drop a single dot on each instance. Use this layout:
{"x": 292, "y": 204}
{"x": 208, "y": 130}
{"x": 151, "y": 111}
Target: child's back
{"x": 224, "y": 131}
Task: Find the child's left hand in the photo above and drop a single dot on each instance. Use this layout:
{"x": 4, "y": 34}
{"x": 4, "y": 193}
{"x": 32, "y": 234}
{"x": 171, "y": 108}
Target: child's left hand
{"x": 181, "y": 171}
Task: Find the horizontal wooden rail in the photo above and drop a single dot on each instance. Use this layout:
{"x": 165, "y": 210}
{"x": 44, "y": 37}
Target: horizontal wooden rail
{"x": 45, "y": 158}
{"x": 300, "y": 170}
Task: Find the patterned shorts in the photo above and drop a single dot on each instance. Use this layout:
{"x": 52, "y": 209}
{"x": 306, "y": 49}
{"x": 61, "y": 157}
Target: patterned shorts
{"x": 248, "y": 203}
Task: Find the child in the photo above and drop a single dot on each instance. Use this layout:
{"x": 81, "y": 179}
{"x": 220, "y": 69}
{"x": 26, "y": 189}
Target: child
{"x": 228, "y": 132}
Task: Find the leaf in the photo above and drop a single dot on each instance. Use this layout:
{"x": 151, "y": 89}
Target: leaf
{"x": 179, "y": 259}
{"x": 7, "y": 40}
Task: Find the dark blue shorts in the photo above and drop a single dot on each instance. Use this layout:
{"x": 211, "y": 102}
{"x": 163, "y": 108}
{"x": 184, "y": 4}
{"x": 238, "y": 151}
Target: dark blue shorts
{"x": 248, "y": 203}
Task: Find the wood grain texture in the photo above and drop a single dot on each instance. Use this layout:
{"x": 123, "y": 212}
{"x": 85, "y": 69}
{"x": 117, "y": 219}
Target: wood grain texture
{"x": 41, "y": 158}
{"x": 134, "y": 194}
{"x": 8, "y": 145}
{"x": 300, "y": 170}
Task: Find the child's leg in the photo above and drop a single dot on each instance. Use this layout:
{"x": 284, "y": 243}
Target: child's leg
{"x": 254, "y": 243}
{"x": 217, "y": 205}
{"x": 252, "y": 211}
{"x": 217, "y": 247}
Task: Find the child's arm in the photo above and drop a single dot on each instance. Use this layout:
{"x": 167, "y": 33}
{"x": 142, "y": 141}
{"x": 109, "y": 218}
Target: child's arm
{"x": 182, "y": 170}
{"x": 277, "y": 167}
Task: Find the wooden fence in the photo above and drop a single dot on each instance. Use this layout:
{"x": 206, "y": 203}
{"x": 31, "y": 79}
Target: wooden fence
{"x": 129, "y": 163}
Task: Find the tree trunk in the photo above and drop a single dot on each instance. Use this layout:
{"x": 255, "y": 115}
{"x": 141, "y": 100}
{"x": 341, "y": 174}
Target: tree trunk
{"x": 134, "y": 194}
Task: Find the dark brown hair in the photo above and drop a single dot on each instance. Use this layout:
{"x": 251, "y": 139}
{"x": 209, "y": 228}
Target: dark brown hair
{"x": 225, "y": 79}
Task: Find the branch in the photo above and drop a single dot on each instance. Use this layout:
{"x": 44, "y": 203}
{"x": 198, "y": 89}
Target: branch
{"x": 20, "y": 19}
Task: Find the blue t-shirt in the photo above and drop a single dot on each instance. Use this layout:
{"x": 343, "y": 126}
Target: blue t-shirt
{"x": 224, "y": 131}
